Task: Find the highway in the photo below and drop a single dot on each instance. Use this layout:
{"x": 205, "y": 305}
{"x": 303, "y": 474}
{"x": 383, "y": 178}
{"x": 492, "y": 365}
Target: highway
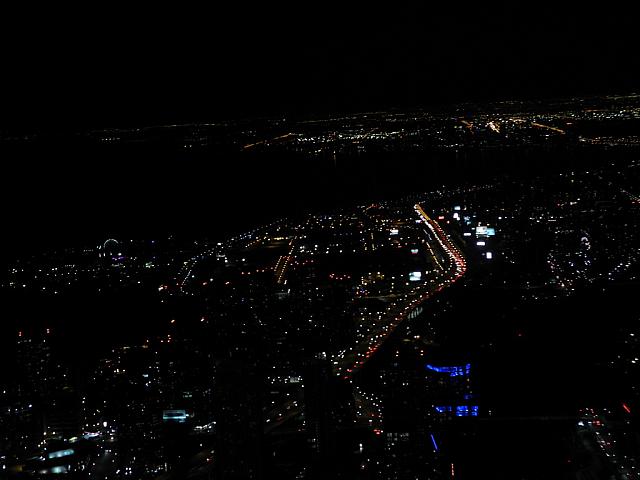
{"x": 347, "y": 363}
{"x": 451, "y": 266}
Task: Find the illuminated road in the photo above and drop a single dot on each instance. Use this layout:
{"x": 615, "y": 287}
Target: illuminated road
{"x": 265, "y": 142}
{"x": 350, "y": 361}
{"x": 283, "y": 262}
{"x": 548, "y": 127}
{"x": 281, "y": 414}
{"x": 186, "y": 271}
{"x": 450, "y": 266}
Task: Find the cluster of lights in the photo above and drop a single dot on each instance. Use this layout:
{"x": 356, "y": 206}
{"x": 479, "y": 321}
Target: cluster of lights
{"x": 346, "y": 363}
{"x": 283, "y": 263}
{"x": 594, "y": 422}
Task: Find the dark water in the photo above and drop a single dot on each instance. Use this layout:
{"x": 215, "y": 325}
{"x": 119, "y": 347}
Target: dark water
{"x": 69, "y": 191}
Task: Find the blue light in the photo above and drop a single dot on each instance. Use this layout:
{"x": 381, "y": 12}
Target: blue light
{"x": 61, "y": 453}
{"x": 458, "y": 410}
{"x": 178, "y": 416}
{"x": 455, "y": 371}
{"x": 433, "y": 440}
{"x": 441, "y": 409}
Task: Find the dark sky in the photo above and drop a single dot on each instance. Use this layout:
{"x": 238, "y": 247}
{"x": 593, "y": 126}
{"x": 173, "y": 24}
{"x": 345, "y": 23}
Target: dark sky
{"x": 73, "y": 67}
{"x": 117, "y": 65}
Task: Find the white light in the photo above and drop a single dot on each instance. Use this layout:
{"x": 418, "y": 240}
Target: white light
{"x": 489, "y": 255}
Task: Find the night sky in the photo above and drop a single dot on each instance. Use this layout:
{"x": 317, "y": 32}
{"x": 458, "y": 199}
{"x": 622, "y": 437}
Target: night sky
{"x": 70, "y": 69}
{"x": 113, "y": 65}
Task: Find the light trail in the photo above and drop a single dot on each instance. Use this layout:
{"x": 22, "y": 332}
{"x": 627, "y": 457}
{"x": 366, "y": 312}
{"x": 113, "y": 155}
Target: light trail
{"x": 350, "y": 361}
{"x": 548, "y": 127}
{"x": 283, "y": 263}
{"x": 264, "y": 142}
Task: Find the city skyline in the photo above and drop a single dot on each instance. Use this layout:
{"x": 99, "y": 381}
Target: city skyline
{"x": 363, "y": 242}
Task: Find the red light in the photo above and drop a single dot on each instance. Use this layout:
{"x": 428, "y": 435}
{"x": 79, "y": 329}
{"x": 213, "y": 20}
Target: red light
{"x": 626, "y": 408}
